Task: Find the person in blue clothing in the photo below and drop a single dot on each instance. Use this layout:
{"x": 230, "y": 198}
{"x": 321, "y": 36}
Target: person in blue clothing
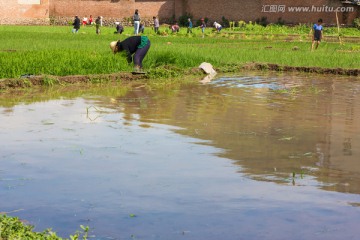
{"x": 317, "y": 34}
{"x": 189, "y": 26}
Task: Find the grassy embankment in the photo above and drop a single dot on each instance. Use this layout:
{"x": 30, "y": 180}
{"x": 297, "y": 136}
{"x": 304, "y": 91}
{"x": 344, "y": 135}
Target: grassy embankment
{"x": 11, "y": 228}
{"x": 54, "y": 50}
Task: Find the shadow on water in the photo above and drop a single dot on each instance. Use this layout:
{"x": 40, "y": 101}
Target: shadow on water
{"x": 243, "y": 157}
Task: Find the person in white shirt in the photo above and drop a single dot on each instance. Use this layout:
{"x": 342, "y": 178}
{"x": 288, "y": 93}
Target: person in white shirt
{"x": 217, "y": 26}
{"x": 156, "y": 24}
{"x": 85, "y": 21}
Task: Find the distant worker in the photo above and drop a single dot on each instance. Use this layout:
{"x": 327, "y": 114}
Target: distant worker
{"x": 136, "y": 21}
{"x": 175, "y": 28}
{"x": 203, "y": 26}
{"x": 119, "y": 28}
{"x": 76, "y": 25}
{"x": 84, "y": 21}
{"x": 317, "y": 34}
{"x": 217, "y": 26}
{"x": 137, "y": 46}
{"x": 189, "y": 26}
{"x": 98, "y": 24}
{"x": 156, "y": 24}
{"x": 142, "y": 27}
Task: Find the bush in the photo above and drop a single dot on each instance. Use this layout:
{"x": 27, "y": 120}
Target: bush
{"x": 357, "y": 23}
{"x": 13, "y": 228}
{"x": 183, "y": 20}
{"x": 225, "y": 22}
{"x": 262, "y": 21}
{"x": 280, "y": 22}
{"x": 241, "y": 24}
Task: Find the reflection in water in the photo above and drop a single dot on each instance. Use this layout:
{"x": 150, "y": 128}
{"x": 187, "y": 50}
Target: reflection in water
{"x": 207, "y": 161}
{"x": 271, "y": 126}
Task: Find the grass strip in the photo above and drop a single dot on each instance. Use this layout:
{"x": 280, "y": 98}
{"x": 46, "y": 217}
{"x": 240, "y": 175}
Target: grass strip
{"x": 55, "y": 51}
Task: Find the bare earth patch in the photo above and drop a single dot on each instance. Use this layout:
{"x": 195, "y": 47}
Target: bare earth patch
{"x": 318, "y": 70}
{"x": 31, "y": 80}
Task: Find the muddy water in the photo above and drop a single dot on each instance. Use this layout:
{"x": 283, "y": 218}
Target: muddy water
{"x": 250, "y": 156}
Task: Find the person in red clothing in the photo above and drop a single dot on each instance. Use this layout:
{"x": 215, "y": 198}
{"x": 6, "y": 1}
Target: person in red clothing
{"x": 175, "y": 28}
{"x": 84, "y": 21}
{"x": 135, "y": 47}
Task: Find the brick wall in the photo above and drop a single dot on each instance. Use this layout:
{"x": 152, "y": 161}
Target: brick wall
{"x": 11, "y": 12}
{"x": 317, "y": 9}
{"x": 118, "y": 9}
{"x": 18, "y": 12}
{"x": 231, "y": 9}
{"x": 250, "y": 10}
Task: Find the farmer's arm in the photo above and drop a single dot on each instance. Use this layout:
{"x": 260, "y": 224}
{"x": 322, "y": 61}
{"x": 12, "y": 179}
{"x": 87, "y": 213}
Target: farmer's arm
{"x": 126, "y": 49}
{"x": 128, "y": 56}
{"x": 126, "y": 46}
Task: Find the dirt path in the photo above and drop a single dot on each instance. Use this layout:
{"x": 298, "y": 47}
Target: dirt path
{"x": 29, "y": 81}
{"x": 318, "y": 70}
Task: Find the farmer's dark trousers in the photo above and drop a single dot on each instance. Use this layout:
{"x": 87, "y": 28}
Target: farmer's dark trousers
{"x": 140, "y": 54}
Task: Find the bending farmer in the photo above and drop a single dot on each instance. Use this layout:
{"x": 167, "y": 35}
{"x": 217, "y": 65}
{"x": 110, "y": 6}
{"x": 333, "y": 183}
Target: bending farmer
{"x": 137, "y": 45}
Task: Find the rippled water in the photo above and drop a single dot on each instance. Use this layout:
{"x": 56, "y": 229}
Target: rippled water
{"x": 251, "y": 156}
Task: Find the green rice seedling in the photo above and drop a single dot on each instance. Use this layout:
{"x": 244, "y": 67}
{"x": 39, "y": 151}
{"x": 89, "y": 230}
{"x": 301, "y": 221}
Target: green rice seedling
{"x": 49, "y": 81}
{"x": 99, "y": 80}
{"x": 56, "y": 51}
{"x": 315, "y": 90}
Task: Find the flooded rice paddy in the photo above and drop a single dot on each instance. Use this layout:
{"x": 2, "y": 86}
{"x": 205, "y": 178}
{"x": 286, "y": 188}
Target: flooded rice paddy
{"x": 250, "y": 156}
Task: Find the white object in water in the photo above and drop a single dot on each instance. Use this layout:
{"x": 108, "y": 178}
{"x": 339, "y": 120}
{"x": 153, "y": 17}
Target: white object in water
{"x": 209, "y": 70}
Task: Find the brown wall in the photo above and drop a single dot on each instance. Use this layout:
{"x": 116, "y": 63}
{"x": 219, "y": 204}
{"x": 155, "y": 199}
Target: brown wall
{"x": 315, "y": 5}
{"x": 11, "y": 12}
{"x": 112, "y": 9}
{"x": 250, "y": 10}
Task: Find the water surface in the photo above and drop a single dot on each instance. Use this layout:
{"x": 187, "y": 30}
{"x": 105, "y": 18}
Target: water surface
{"x": 251, "y": 156}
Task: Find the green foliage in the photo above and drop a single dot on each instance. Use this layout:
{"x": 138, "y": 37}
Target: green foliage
{"x": 81, "y": 234}
{"x": 357, "y": 23}
{"x": 262, "y": 21}
{"x": 49, "y": 81}
{"x": 183, "y": 19}
{"x": 55, "y": 51}
{"x": 11, "y": 228}
{"x": 164, "y": 58}
{"x": 225, "y": 22}
{"x": 167, "y": 71}
{"x": 241, "y": 24}
{"x": 280, "y": 21}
